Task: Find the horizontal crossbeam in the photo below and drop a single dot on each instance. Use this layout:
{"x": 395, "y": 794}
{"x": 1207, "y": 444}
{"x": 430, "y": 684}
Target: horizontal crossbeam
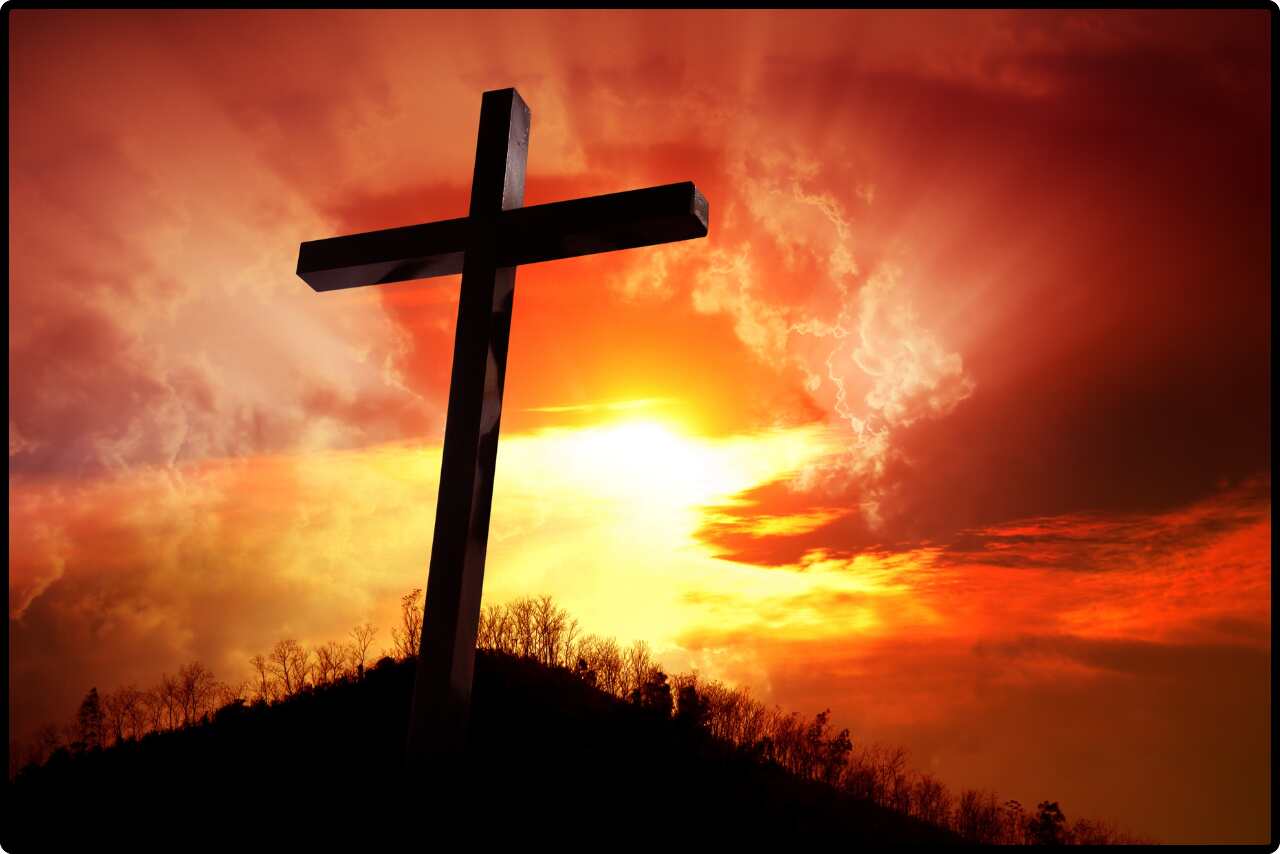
{"x": 524, "y": 236}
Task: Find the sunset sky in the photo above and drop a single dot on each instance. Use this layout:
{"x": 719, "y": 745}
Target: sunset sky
{"x": 956, "y": 423}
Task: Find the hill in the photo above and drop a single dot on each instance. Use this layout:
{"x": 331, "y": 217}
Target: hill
{"x": 548, "y": 755}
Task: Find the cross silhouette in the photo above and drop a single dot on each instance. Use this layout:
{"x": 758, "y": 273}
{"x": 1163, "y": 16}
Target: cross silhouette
{"x": 486, "y": 246}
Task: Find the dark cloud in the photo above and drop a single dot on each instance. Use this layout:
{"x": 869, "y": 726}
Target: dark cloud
{"x": 1163, "y": 737}
{"x": 1102, "y": 542}
{"x": 1098, "y": 541}
{"x": 1090, "y": 229}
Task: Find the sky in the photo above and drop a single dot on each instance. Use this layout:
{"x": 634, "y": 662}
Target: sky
{"x": 956, "y": 423}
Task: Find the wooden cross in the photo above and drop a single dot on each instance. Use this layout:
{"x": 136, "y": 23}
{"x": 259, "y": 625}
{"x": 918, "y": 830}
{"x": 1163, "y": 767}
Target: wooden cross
{"x": 486, "y": 247}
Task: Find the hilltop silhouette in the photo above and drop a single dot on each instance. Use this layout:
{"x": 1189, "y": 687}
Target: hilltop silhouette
{"x": 547, "y": 751}
{"x": 571, "y": 738}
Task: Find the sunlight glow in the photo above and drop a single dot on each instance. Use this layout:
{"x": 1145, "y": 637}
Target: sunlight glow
{"x": 647, "y": 459}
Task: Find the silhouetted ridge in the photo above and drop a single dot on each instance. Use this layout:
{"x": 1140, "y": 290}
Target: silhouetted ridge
{"x": 546, "y": 750}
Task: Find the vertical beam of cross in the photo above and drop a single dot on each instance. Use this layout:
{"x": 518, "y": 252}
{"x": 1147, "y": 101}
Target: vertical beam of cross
{"x": 485, "y": 247}
{"x": 446, "y": 656}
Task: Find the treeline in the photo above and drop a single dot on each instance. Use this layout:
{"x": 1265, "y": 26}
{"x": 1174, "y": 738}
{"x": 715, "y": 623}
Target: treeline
{"x": 194, "y": 695}
{"x": 130, "y": 713}
{"x": 536, "y": 628}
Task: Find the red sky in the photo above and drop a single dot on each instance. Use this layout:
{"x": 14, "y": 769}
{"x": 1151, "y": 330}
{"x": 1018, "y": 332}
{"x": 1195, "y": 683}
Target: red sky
{"x": 957, "y": 422}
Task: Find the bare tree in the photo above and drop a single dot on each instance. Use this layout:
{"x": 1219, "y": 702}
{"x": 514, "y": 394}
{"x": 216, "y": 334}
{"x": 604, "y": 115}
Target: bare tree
{"x": 134, "y": 704}
{"x": 122, "y": 713}
{"x": 638, "y": 663}
{"x": 153, "y": 708}
{"x": 1015, "y": 824}
{"x": 302, "y": 667}
{"x": 548, "y": 624}
{"x": 112, "y": 718}
{"x": 978, "y": 817}
{"x": 494, "y": 630}
{"x": 265, "y": 683}
{"x": 290, "y": 664}
{"x": 896, "y": 780}
{"x": 531, "y": 627}
{"x": 734, "y": 715}
{"x": 329, "y": 662}
{"x": 608, "y": 664}
{"x": 932, "y": 801}
{"x": 169, "y": 704}
{"x": 723, "y": 711}
{"x": 194, "y": 690}
{"x": 408, "y": 634}
{"x": 523, "y": 627}
{"x": 569, "y": 641}
{"x": 889, "y": 766}
{"x": 228, "y": 693}
{"x": 358, "y": 650}
{"x": 785, "y": 732}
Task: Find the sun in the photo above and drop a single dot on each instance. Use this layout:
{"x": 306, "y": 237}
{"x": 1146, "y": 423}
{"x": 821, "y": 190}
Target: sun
{"x": 658, "y": 464}
{"x": 651, "y": 459}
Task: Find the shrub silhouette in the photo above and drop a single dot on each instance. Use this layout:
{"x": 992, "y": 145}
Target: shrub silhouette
{"x": 1047, "y": 827}
{"x": 90, "y": 723}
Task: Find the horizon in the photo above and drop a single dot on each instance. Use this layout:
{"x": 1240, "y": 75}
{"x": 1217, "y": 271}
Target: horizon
{"x": 957, "y": 422}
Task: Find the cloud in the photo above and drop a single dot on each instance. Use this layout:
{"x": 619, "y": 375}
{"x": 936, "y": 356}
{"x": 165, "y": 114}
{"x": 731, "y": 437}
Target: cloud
{"x": 1107, "y": 542}
{"x": 1031, "y": 681}
{"x": 172, "y": 327}
{"x": 655, "y": 277}
{"x": 1090, "y": 724}
{"x": 117, "y": 577}
{"x": 912, "y": 376}
{"x": 727, "y": 284}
